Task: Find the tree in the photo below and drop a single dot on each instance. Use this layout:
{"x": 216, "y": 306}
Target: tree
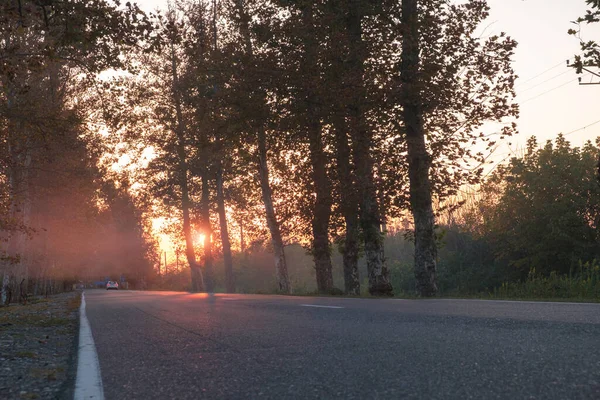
{"x": 49, "y": 55}
{"x": 256, "y": 115}
{"x": 307, "y": 101}
{"x": 590, "y": 48}
{"x": 598, "y": 169}
{"x": 153, "y": 112}
{"x": 227, "y": 259}
{"x": 419, "y": 161}
{"x": 338, "y": 79}
{"x": 362, "y": 137}
{"x": 546, "y": 212}
{"x": 124, "y": 244}
{"x": 198, "y": 283}
{"x": 451, "y": 82}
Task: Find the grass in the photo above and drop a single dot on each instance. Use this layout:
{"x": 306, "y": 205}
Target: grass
{"x": 37, "y": 300}
{"x": 26, "y": 354}
{"x": 50, "y": 374}
{"x": 41, "y": 321}
{"x": 37, "y": 315}
{"x": 74, "y": 303}
{"x": 52, "y": 321}
{"x": 582, "y": 286}
{"x": 542, "y": 289}
{"x": 30, "y": 396}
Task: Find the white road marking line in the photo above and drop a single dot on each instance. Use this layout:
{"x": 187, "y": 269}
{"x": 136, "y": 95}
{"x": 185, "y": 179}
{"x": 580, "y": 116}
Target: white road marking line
{"x": 228, "y": 298}
{"x": 318, "y": 306}
{"x": 88, "y": 384}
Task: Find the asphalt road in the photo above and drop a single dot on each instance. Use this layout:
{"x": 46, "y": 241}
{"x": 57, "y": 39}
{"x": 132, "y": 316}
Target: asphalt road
{"x": 161, "y": 345}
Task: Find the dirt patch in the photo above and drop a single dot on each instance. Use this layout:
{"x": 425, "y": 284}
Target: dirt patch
{"x": 37, "y": 347}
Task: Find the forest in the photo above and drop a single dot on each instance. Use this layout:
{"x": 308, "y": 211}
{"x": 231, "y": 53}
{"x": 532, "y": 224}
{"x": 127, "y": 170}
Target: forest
{"x": 283, "y": 146}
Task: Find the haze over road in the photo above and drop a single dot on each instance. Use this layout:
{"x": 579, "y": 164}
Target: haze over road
{"x": 158, "y": 345}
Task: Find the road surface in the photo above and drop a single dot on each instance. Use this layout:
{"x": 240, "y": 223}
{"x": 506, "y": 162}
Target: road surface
{"x": 160, "y": 345}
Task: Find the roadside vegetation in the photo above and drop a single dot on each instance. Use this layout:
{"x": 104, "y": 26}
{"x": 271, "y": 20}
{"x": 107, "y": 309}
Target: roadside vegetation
{"x": 38, "y": 347}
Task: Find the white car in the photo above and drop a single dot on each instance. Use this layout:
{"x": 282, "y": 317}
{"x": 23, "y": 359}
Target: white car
{"x": 112, "y": 285}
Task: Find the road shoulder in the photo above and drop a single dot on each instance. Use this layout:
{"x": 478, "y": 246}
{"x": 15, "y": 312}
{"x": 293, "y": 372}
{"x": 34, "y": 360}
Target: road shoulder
{"x": 38, "y": 346}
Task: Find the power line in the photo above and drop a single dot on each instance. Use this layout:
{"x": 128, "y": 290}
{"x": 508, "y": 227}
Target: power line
{"x": 547, "y": 91}
{"x": 541, "y": 73}
{"x": 547, "y": 80}
{"x": 580, "y": 129}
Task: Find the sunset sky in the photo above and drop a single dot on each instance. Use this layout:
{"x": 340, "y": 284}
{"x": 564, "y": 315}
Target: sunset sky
{"x": 540, "y": 27}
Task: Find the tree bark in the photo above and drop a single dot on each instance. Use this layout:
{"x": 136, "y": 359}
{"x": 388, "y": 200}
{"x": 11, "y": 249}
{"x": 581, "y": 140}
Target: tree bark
{"x": 379, "y": 275}
{"x": 322, "y": 209}
{"x": 345, "y": 174}
{"x": 322, "y": 187}
{"x": 419, "y": 161}
{"x": 227, "y": 259}
{"x": 195, "y": 271}
{"x": 283, "y": 280}
{"x": 349, "y": 208}
{"x": 242, "y": 243}
{"x": 5, "y": 287}
{"x": 207, "y": 229}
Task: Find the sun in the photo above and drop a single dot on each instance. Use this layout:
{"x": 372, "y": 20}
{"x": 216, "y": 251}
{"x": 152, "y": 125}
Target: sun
{"x": 200, "y": 238}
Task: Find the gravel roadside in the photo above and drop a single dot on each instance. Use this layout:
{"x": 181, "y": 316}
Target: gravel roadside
{"x": 38, "y": 348}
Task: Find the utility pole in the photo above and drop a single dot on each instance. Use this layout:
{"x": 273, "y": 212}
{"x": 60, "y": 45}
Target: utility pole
{"x": 585, "y": 84}
{"x": 586, "y": 70}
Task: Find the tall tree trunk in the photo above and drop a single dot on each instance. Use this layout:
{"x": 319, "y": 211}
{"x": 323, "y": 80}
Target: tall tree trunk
{"x": 26, "y": 200}
{"x": 318, "y": 159}
{"x": 379, "y": 274}
{"x": 242, "y": 243}
{"x": 383, "y": 208}
{"x": 227, "y": 259}
{"x": 345, "y": 174}
{"x": 196, "y": 272}
{"x": 283, "y": 280}
{"x": 419, "y": 161}
{"x": 205, "y": 213}
{"x": 5, "y": 287}
{"x": 349, "y": 208}
{"x": 322, "y": 210}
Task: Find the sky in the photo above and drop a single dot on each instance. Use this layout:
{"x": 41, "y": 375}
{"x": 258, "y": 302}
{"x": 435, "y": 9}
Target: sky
{"x": 550, "y": 98}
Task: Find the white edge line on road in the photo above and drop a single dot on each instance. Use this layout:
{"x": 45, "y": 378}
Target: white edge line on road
{"x": 88, "y": 383}
{"x": 318, "y": 306}
{"x": 522, "y": 301}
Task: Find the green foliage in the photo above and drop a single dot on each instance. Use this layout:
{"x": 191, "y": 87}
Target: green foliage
{"x": 467, "y": 264}
{"x": 544, "y": 210}
{"x": 583, "y": 283}
{"x": 402, "y": 277}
